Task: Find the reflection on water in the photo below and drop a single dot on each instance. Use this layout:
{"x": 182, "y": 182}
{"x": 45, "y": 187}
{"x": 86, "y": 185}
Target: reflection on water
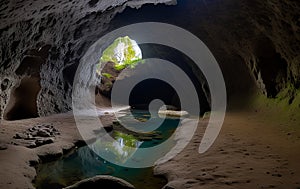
{"x": 124, "y": 143}
{"x": 118, "y": 150}
{"x": 84, "y": 163}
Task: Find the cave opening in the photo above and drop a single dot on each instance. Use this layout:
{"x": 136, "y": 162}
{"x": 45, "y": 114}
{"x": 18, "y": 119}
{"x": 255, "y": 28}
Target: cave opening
{"x": 117, "y": 57}
{"x": 123, "y": 52}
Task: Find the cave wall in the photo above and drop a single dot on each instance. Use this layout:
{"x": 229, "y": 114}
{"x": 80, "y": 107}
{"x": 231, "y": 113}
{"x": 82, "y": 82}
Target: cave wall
{"x": 271, "y": 50}
{"x": 255, "y": 42}
{"x": 261, "y": 35}
{"x": 53, "y": 36}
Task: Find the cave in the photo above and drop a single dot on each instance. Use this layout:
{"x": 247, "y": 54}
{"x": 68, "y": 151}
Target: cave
{"x": 149, "y": 94}
{"x": 18, "y": 107}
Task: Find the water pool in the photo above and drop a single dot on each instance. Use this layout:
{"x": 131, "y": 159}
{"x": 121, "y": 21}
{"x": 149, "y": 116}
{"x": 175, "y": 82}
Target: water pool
{"x": 84, "y": 163}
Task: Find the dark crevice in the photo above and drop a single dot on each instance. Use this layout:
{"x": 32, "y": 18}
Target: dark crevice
{"x": 92, "y": 3}
{"x": 22, "y": 103}
{"x": 272, "y": 66}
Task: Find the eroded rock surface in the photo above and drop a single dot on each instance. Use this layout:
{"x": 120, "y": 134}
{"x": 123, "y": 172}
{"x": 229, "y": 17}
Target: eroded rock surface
{"x": 109, "y": 76}
{"x": 45, "y": 40}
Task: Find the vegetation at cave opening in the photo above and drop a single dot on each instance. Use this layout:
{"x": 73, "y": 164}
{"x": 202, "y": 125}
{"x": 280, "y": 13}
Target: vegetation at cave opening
{"x": 123, "y": 52}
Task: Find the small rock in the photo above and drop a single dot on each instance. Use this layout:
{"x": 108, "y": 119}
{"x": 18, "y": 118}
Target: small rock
{"x": 277, "y": 175}
{"x": 3, "y": 146}
{"x": 43, "y": 133}
{"x": 29, "y": 137}
{"x": 31, "y": 145}
{"x": 20, "y": 136}
{"x": 34, "y": 133}
{"x": 14, "y": 143}
{"x": 31, "y": 129}
{"x": 47, "y": 130}
{"x": 41, "y": 142}
{"x": 17, "y": 136}
{"x": 48, "y": 126}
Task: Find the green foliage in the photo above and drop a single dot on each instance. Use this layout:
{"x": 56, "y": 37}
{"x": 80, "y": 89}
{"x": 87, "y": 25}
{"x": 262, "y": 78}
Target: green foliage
{"x": 131, "y": 64}
{"x": 109, "y": 84}
{"x": 107, "y": 75}
{"x": 123, "y": 52}
{"x": 129, "y": 140}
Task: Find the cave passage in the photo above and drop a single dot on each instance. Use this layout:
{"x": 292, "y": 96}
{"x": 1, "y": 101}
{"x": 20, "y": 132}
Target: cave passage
{"x": 22, "y": 103}
{"x": 117, "y": 57}
{"x": 151, "y": 89}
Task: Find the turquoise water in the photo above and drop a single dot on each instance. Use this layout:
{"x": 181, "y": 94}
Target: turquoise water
{"x": 84, "y": 163}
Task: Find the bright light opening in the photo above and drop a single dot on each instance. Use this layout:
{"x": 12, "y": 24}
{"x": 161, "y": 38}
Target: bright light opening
{"x": 122, "y": 52}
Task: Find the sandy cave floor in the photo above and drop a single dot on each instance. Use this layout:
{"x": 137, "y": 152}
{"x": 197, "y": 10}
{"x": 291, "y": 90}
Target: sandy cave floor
{"x": 253, "y": 150}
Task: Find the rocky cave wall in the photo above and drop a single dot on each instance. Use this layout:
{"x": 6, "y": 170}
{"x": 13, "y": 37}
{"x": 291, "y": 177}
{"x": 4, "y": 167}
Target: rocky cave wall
{"x": 255, "y": 42}
{"x": 49, "y": 37}
{"x": 270, "y": 45}
{"x": 261, "y": 35}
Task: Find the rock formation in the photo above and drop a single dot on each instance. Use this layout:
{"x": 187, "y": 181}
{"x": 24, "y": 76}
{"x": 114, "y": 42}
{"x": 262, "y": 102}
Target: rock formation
{"x": 256, "y": 44}
{"x": 44, "y": 41}
{"x": 36, "y": 136}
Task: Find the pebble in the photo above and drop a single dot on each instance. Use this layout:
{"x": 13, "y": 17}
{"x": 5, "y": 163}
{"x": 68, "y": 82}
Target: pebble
{"x": 3, "y": 146}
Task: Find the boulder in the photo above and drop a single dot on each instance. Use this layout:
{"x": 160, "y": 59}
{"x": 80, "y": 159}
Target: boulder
{"x": 102, "y": 181}
{"x": 51, "y": 152}
{"x": 40, "y": 142}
